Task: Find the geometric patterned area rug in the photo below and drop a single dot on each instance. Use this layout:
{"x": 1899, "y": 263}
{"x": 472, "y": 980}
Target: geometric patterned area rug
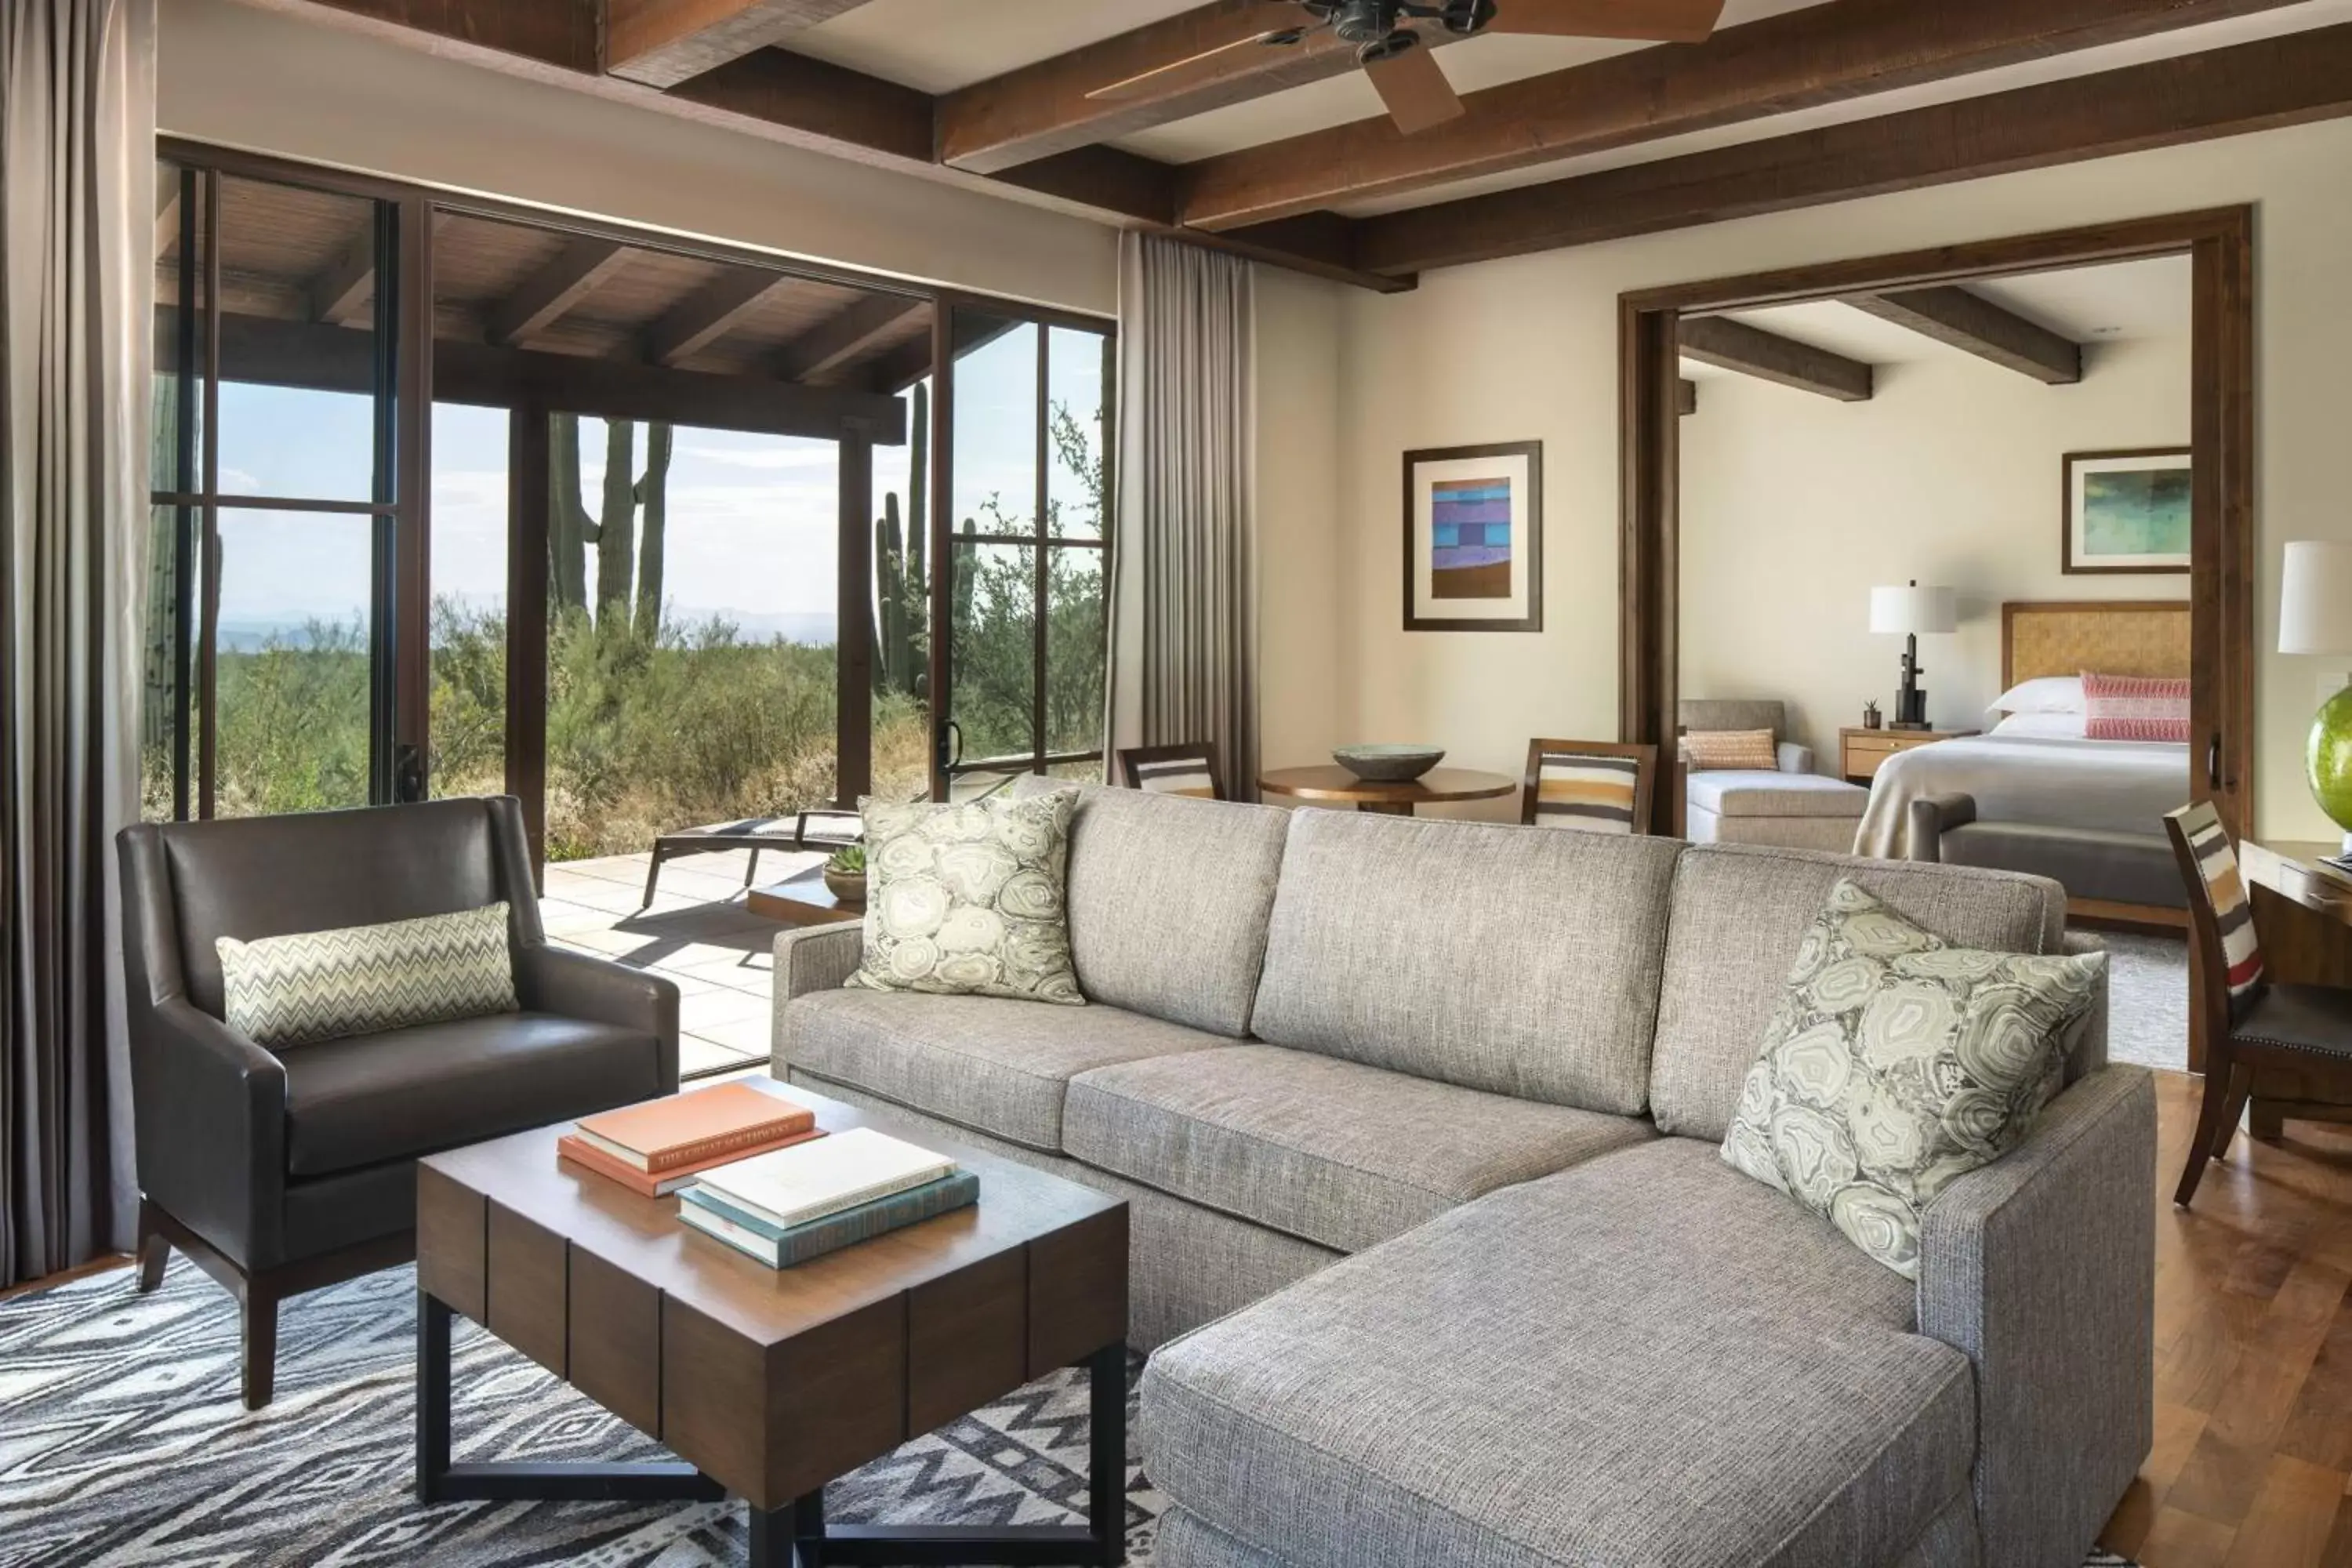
{"x": 123, "y": 1442}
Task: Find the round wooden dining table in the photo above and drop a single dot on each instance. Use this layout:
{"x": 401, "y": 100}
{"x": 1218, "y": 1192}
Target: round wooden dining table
{"x": 1333, "y": 784}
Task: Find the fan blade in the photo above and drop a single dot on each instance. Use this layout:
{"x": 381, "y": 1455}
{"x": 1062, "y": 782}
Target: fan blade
{"x": 1195, "y": 69}
{"x": 1415, "y": 89}
{"x": 1653, "y": 21}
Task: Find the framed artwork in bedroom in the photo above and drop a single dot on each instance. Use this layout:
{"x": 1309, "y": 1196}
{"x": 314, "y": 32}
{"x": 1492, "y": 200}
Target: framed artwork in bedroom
{"x": 2127, "y": 511}
{"x": 1474, "y": 539}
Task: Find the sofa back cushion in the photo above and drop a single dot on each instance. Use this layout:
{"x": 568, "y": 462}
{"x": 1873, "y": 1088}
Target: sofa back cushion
{"x": 1738, "y": 914}
{"x": 1495, "y": 958}
{"x": 1169, "y": 897}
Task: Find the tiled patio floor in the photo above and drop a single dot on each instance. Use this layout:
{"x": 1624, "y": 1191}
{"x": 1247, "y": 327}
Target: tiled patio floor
{"x": 697, "y": 934}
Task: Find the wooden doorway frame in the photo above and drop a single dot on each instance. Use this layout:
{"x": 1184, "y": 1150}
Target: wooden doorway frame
{"x": 2221, "y": 244}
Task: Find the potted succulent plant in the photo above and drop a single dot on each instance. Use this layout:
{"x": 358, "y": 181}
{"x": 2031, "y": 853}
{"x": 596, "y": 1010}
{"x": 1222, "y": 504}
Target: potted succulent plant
{"x": 845, "y": 874}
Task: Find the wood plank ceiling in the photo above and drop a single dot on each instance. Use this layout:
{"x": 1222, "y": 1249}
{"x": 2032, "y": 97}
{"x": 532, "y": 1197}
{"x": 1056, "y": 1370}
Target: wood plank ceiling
{"x": 1358, "y": 200}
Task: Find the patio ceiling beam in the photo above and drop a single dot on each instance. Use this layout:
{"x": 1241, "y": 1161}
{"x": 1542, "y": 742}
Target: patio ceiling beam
{"x": 541, "y": 300}
{"x": 661, "y": 43}
{"x": 276, "y": 352}
{"x": 703, "y": 317}
{"x": 822, "y": 352}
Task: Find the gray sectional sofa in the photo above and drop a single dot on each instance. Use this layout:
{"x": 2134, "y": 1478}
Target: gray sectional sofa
{"x": 1418, "y": 1123}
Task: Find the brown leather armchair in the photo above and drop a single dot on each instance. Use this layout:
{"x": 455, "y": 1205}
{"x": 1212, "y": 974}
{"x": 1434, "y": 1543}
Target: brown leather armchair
{"x": 279, "y": 1173}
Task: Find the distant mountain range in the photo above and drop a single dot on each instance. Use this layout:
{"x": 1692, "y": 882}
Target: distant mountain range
{"x": 816, "y": 628}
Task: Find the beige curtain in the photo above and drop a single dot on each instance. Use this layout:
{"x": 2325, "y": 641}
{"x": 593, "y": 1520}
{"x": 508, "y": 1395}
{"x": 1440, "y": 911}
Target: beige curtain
{"x": 1184, "y": 553}
{"x": 77, "y": 216}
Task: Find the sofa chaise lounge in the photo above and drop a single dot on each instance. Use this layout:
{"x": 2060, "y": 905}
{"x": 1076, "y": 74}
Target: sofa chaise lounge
{"x": 1417, "y": 1123}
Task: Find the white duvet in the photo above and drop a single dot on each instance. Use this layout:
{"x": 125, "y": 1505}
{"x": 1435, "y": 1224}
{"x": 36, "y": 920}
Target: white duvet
{"x": 2119, "y": 785}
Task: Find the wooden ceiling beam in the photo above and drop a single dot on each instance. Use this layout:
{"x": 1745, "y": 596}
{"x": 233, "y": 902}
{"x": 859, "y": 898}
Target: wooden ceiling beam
{"x": 661, "y": 43}
{"x": 826, "y": 107}
{"x": 1735, "y": 345}
{"x": 1953, "y": 316}
{"x": 541, "y": 300}
{"x": 702, "y": 318}
{"x": 1799, "y": 60}
{"x": 1689, "y": 404}
{"x": 1045, "y": 108}
{"x": 2290, "y": 81}
{"x": 843, "y": 337}
{"x": 167, "y": 207}
{"x": 560, "y": 33}
{"x": 337, "y": 292}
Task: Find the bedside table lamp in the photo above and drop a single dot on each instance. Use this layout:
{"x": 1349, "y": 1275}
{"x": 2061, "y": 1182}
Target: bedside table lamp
{"x": 1910, "y": 612}
{"x": 2316, "y": 616}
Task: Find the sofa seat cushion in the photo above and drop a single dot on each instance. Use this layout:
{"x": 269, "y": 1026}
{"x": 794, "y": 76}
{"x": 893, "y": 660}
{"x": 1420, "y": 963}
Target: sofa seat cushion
{"x": 1328, "y": 1151}
{"x": 1747, "y": 793}
{"x": 371, "y": 1097}
{"x": 1490, "y": 957}
{"x": 1644, "y": 1358}
{"x": 983, "y": 1062}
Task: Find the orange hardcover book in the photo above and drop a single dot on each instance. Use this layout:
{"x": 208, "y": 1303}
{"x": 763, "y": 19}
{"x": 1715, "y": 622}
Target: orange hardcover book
{"x": 661, "y": 1184}
{"x": 672, "y": 1133}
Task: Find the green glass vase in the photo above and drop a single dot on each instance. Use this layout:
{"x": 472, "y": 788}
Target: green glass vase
{"x": 2327, "y": 759}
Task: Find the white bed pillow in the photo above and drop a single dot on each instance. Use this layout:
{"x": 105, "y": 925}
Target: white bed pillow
{"x": 2042, "y": 726}
{"x": 2042, "y": 694}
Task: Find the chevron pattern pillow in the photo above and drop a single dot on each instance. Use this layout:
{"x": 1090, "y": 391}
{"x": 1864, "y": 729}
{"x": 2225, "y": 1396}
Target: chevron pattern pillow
{"x": 362, "y": 980}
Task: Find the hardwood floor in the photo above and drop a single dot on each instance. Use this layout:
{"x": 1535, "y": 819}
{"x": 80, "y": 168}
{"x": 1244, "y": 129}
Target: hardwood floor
{"x": 2253, "y": 1356}
{"x": 2252, "y": 1464}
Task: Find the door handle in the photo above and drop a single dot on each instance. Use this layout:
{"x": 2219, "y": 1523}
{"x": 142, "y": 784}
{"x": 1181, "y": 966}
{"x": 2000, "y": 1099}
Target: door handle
{"x": 948, "y": 759}
{"x": 2213, "y": 762}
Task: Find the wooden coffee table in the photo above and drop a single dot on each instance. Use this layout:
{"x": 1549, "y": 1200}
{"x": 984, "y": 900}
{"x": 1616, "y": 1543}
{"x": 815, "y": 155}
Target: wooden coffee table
{"x": 770, "y": 1383}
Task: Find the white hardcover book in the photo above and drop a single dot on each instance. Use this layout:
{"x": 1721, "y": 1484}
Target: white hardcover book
{"x": 808, "y": 1180}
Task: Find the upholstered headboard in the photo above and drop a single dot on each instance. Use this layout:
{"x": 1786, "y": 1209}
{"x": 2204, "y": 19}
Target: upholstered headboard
{"x": 2114, "y": 637}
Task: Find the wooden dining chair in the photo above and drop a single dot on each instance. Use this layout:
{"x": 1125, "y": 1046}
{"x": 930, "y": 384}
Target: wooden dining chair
{"x": 2251, "y": 1021}
{"x": 1593, "y": 786}
{"x": 1188, "y": 768}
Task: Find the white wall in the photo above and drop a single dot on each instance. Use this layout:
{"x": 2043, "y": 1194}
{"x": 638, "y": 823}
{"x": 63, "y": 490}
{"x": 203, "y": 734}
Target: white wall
{"x": 300, "y": 88}
{"x": 1300, "y": 554}
{"x": 1528, "y": 349}
{"x": 1793, "y": 506}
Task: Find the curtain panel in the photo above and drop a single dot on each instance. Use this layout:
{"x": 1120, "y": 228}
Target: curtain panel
{"x": 1185, "y": 555}
{"x": 77, "y": 216}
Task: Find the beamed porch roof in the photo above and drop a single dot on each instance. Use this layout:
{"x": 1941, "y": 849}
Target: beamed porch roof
{"x": 576, "y": 320}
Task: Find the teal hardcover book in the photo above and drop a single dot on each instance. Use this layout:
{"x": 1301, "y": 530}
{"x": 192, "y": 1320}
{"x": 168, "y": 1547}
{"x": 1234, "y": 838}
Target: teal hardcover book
{"x": 782, "y": 1247}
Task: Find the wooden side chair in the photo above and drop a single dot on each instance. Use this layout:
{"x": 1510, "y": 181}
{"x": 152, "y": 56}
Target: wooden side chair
{"x": 1593, "y": 786}
{"x": 1189, "y": 768}
{"x": 2251, "y": 1021}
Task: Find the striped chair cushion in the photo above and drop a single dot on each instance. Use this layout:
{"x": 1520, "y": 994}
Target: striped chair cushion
{"x": 1749, "y": 751}
{"x": 1592, "y": 793}
{"x": 1177, "y": 775}
{"x": 363, "y": 980}
{"x": 2135, "y": 707}
{"x": 2217, "y": 864}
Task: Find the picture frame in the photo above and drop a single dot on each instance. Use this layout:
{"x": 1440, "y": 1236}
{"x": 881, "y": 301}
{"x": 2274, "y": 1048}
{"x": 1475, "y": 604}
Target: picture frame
{"x": 2129, "y": 511}
{"x": 1472, "y": 528}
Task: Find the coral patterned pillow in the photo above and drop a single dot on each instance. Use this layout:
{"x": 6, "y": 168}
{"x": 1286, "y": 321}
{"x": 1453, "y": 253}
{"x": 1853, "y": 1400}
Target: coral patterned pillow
{"x": 2135, "y": 707}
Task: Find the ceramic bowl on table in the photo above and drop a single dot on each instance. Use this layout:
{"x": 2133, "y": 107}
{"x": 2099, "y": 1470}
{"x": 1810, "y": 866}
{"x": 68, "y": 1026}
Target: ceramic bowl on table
{"x": 1389, "y": 764}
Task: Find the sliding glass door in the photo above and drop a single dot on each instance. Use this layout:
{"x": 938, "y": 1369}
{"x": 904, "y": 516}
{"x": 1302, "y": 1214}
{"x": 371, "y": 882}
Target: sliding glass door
{"x": 276, "y": 601}
{"x": 1020, "y": 619}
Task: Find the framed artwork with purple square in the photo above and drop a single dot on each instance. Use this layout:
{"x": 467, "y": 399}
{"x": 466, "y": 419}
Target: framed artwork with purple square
{"x": 1474, "y": 539}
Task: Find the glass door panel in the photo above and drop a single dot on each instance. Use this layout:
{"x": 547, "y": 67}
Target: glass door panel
{"x": 292, "y": 627}
{"x": 1024, "y": 610}
{"x": 470, "y": 484}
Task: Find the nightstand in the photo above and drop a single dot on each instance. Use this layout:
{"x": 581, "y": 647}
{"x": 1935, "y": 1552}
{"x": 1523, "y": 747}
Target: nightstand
{"x": 1861, "y": 751}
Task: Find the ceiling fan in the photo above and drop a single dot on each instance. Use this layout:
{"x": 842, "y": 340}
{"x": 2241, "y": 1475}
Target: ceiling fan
{"x": 1386, "y": 37}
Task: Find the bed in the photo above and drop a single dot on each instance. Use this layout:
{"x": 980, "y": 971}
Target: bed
{"x": 2033, "y": 794}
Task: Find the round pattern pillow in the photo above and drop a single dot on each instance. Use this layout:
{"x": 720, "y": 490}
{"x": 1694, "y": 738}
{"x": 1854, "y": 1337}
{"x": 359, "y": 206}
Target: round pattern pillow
{"x": 967, "y": 899}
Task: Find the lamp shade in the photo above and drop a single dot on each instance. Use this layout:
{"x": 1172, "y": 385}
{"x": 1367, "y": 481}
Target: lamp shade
{"x": 2315, "y": 597}
{"x": 1910, "y": 610}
